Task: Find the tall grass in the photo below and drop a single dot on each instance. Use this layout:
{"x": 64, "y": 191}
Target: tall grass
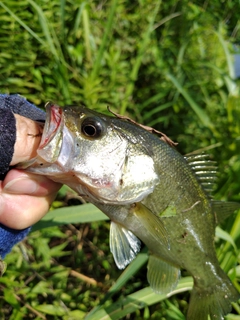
{"x": 166, "y": 64}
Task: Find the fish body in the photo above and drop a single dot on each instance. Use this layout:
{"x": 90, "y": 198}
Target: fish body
{"x": 150, "y": 192}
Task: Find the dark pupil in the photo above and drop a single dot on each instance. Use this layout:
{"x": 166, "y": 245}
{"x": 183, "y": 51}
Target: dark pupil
{"x": 90, "y": 130}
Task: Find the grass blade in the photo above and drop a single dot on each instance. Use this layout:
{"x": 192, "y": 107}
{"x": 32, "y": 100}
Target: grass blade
{"x": 142, "y": 49}
{"x": 76, "y": 214}
{"x": 134, "y": 266}
{"x": 78, "y": 18}
{"x": 15, "y": 17}
{"x": 87, "y": 34}
{"x": 105, "y": 39}
{"x": 62, "y": 15}
{"x": 138, "y": 300}
{"x": 162, "y": 107}
{"x": 196, "y": 108}
{"x": 45, "y": 29}
{"x": 229, "y": 59}
{"x": 220, "y": 233}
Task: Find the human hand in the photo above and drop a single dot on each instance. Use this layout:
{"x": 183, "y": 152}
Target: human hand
{"x": 25, "y": 198}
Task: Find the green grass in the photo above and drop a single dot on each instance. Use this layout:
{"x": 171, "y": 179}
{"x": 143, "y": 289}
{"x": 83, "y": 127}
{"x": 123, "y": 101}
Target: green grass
{"x": 166, "y": 64}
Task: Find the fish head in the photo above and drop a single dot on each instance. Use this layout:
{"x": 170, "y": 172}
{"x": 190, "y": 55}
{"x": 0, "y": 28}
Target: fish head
{"x": 97, "y": 155}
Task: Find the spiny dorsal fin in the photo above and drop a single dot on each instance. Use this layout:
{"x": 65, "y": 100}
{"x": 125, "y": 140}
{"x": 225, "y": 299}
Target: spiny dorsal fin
{"x": 124, "y": 245}
{"x": 162, "y": 276}
{"x": 204, "y": 169}
{"x": 224, "y": 209}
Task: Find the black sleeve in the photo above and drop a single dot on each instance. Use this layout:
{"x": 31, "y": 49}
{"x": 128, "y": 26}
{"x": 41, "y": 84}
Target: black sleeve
{"x": 10, "y": 104}
{"x": 7, "y": 139}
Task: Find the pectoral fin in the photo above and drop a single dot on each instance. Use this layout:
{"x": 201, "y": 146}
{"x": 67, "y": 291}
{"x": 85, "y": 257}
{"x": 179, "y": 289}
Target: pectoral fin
{"x": 124, "y": 245}
{"x": 151, "y": 223}
{"x": 224, "y": 209}
{"x": 162, "y": 276}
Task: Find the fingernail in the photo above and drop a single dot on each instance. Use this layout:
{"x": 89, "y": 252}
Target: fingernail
{"x": 21, "y": 186}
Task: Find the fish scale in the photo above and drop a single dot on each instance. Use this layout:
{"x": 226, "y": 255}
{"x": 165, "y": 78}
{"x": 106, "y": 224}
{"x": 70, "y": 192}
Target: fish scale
{"x": 150, "y": 192}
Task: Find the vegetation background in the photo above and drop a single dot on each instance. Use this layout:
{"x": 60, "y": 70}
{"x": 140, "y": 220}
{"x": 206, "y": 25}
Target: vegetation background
{"x": 167, "y": 64}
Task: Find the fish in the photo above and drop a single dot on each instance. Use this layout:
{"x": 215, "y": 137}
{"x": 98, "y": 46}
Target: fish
{"x": 150, "y": 192}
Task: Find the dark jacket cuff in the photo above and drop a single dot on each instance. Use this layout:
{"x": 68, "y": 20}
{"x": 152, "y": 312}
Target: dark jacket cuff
{"x": 21, "y": 106}
{"x": 10, "y": 104}
{"x": 7, "y": 139}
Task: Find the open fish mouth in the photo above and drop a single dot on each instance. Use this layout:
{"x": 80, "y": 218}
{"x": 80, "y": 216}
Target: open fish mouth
{"x": 54, "y": 120}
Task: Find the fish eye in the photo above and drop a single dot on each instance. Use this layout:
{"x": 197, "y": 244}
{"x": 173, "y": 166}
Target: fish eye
{"x": 92, "y": 128}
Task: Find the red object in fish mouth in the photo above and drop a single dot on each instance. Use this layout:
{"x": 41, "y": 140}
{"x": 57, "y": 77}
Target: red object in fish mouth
{"x": 52, "y": 125}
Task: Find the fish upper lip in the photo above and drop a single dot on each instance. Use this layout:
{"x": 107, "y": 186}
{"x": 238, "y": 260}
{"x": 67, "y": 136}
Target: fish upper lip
{"x": 53, "y": 121}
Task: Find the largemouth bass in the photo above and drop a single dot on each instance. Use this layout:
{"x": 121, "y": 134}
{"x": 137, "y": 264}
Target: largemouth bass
{"x": 150, "y": 192}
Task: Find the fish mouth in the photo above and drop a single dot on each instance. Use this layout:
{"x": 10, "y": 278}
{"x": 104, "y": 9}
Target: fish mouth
{"x": 53, "y": 122}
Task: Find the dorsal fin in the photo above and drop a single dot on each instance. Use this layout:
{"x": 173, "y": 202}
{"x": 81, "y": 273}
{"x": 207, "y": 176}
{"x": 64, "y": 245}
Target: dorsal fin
{"x": 204, "y": 169}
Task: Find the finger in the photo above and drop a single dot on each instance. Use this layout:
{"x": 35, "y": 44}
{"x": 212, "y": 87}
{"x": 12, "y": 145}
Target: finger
{"x": 21, "y": 211}
{"x": 25, "y": 198}
{"x": 27, "y": 139}
{"x": 21, "y": 182}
